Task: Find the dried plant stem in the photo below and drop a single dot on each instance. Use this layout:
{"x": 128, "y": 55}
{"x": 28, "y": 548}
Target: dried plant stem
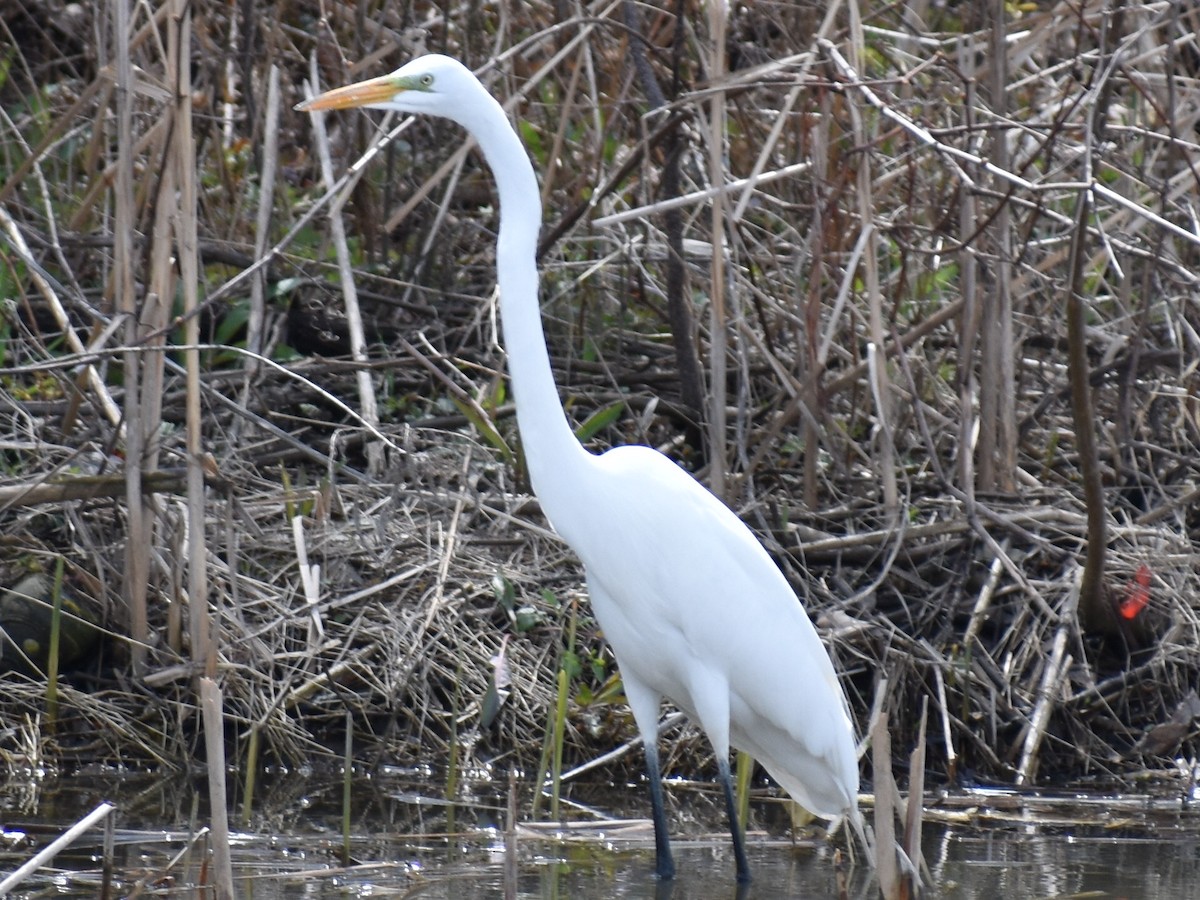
{"x": 880, "y": 383}
{"x": 914, "y": 806}
{"x": 511, "y": 860}
{"x": 886, "y": 796}
{"x": 347, "y": 786}
{"x": 125, "y": 299}
{"x": 52, "y": 661}
{"x": 214, "y": 746}
{"x": 89, "y": 376}
{"x": 679, "y": 303}
{"x": 984, "y": 600}
{"x": 1048, "y": 694}
{"x": 718, "y": 13}
{"x": 997, "y": 451}
{"x": 368, "y": 408}
{"x": 51, "y": 850}
{"x": 1094, "y": 614}
{"x": 255, "y": 339}
{"x": 947, "y": 729}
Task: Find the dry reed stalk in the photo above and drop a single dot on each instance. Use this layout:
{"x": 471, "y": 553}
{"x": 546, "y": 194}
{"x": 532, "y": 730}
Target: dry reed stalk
{"x": 719, "y": 299}
{"x": 996, "y": 451}
{"x": 51, "y": 850}
{"x": 879, "y": 381}
{"x": 310, "y": 582}
{"x": 90, "y": 376}
{"x": 914, "y": 808}
{"x": 512, "y": 861}
{"x": 211, "y": 707}
{"x": 256, "y": 340}
{"x": 124, "y": 293}
{"x": 358, "y": 346}
{"x": 1049, "y": 694}
{"x": 886, "y": 798}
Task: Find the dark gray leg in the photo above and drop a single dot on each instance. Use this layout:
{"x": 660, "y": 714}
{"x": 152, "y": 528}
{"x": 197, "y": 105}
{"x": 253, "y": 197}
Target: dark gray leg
{"x": 664, "y": 866}
{"x": 739, "y": 845}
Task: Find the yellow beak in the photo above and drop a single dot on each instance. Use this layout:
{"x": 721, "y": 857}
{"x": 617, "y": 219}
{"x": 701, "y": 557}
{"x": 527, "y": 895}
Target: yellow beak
{"x": 362, "y": 93}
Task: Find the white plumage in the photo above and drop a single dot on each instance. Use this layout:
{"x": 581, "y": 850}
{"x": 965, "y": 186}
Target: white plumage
{"x": 694, "y": 608}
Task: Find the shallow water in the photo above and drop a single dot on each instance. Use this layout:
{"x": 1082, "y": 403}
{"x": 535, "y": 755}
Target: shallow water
{"x": 409, "y": 843}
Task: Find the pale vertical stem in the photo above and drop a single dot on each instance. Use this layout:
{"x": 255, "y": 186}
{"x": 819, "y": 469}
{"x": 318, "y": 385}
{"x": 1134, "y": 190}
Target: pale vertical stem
{"x": 358, "y": 343}
{"x": 262, "y": 224}
{"x": 886, "y": 801}
{"x": 881, "y": 384}
{"x": 990, "y": 350}
{"x": 1048, "y": 694}
{"x": 812, "y": 357}
{"x": 155, "y": 310}
{"x": 718, "y": 13}
{"x": 968, "y": 212}
{"x": 211, "y": 706}
{"x": 125, "y": 300}
{"x": 203, "y": 648}
{"x": 1005, "y": 390}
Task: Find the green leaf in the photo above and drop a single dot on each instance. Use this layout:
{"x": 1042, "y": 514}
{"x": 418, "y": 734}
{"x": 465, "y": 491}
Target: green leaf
{"x": 484, "y": 426}
{"x": 490, "y": 707}
{"x": 599, "y": 420}
{"x": 571, "y": 664}
{"x": 526, "y": 619}
{"x": 505, "y": 593}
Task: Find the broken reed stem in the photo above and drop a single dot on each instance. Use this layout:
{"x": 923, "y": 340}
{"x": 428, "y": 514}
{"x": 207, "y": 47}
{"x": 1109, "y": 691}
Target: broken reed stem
{"x": 454, "y": 761}
{"x": 885, "y": 808}
{"x": 368, "y": 406}
{"x": 1047, "y": 697}
{"x": 55, "y": 847}
{"x": 510, "y": 839}
{"x": 915, "y": 805}
{"x": 214, "y": 747}
{"x": 984, "y": 600}
{"x": 55, "y": 645}
{"x": 947, "y": 730}
{"x": 347, "y": 785}
{"x": 106, "y": 865}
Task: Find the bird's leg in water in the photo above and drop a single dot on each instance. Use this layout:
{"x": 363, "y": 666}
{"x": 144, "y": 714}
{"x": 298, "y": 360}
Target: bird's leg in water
{"x": 739, "y": 841}
{"x": 664, "y": 866}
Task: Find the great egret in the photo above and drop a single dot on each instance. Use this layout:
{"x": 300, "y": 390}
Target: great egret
{"x": 693, "y": 607}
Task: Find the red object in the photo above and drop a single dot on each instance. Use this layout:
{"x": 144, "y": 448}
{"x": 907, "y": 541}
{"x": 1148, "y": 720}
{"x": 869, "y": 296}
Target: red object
{"x": 1137, "y": 593}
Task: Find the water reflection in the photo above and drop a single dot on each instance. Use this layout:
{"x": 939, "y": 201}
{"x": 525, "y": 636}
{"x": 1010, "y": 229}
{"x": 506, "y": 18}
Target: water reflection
{"x": 1036, "y": 862}
{"x": 402, "y": 846}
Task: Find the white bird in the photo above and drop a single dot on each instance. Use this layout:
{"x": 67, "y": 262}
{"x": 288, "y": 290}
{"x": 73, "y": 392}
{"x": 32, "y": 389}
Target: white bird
{"x": 690, "y": 602}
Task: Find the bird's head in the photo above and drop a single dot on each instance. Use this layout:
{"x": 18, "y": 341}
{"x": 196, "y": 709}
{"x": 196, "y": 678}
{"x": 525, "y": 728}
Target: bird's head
{"x": 432, "y": 84}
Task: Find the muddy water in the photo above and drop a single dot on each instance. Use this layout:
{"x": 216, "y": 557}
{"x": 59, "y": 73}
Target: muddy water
{"x": 407, "y": 842}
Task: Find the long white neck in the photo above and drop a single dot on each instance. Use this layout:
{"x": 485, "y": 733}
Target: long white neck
{"x": 553, "y": 454}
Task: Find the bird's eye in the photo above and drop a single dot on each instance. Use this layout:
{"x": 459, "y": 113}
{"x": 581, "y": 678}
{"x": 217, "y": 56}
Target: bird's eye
{"x": 426, "y": 80}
